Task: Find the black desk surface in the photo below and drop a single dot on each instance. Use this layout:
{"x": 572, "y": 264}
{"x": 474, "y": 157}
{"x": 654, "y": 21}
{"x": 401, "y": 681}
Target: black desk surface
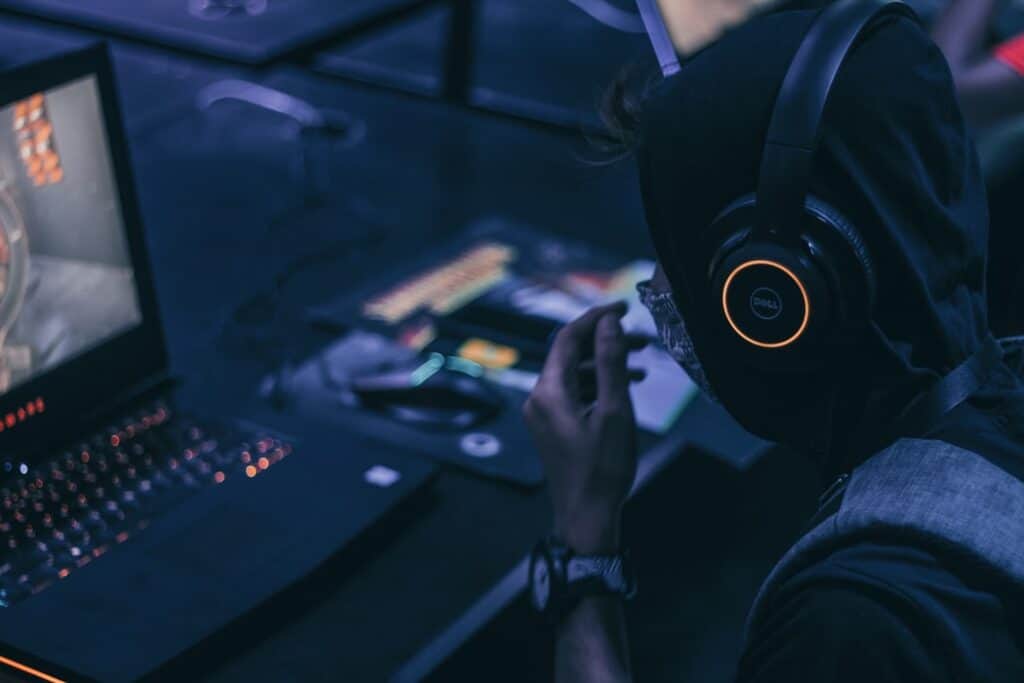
{"x": 225, "y": 215}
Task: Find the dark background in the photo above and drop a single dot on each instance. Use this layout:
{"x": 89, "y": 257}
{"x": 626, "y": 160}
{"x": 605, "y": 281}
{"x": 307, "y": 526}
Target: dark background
{"x": 442, "y": 128}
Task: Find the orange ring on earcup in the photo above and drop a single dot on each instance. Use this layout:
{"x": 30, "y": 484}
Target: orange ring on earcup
{"x": 800, "y": 286}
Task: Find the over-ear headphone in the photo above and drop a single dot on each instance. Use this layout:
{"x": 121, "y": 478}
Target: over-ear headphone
{"x": 790, "y": 275}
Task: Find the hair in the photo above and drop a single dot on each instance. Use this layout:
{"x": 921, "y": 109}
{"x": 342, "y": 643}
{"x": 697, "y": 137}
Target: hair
{"x": 621, "y": 109}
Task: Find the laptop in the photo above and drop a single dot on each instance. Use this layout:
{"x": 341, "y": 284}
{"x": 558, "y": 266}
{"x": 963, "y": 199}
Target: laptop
{"x": 130, "y": 529}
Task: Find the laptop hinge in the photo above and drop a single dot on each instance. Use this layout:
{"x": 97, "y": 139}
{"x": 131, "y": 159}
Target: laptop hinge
{"x": 154, "y": 384}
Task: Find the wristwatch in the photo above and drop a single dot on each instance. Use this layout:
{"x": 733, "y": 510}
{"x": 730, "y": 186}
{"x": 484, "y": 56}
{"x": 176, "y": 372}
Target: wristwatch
{"x": 559, "y": 578}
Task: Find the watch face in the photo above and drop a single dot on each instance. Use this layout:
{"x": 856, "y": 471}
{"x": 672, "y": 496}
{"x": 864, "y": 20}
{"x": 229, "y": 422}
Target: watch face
{"x": 540, "y": 583}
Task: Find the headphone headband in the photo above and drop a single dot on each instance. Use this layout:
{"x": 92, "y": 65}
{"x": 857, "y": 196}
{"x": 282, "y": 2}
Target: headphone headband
{"x": 795, "y": 127}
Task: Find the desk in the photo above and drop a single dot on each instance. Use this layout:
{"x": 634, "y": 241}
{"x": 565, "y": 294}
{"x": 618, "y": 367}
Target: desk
{"x": 421, "y": 172}
{"x": 542, "y": 60}
{"x": 251, "y": 32}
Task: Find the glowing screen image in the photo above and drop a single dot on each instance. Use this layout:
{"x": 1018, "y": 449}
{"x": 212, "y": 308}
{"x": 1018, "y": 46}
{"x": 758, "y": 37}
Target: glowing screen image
{"x": 695, "y": 23}
{"x": 66, "y": 282}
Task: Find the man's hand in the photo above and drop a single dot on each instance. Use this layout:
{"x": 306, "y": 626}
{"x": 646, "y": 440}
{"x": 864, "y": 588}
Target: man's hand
{"x": 588, "y": 446}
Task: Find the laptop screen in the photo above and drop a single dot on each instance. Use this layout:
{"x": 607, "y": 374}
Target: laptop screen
{"x": 66, "y": 279}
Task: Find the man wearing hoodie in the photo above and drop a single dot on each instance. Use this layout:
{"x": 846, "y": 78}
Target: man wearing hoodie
{"x": 913, "y": 569}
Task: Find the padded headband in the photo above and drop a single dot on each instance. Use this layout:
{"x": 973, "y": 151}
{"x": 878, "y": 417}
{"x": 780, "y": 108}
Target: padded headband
{"x": 795, "y": 127}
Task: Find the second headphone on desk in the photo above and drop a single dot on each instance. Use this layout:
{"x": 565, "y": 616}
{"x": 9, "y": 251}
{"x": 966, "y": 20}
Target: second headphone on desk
{"x": 788, "y": 272}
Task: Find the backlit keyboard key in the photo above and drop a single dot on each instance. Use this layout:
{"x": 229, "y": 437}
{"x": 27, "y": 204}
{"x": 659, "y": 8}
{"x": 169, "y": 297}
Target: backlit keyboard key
{"x": 64, "y": 513}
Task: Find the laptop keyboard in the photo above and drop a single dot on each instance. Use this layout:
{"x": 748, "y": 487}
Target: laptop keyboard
{"x": 59, "y": 516}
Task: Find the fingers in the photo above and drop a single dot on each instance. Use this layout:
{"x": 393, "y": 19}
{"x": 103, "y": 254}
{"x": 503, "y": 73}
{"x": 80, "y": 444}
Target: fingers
{"x": 588, "y": 384}
{"x": 572, "y": 338}
{"x": 635, "y": 341}
{"x": 558, "y": 378}
{"x": 588, "y": 373}
{"x": 610, "y": 351}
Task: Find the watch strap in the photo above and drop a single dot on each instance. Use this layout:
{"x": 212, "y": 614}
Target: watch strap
{"x": 607, "y": 573}
{"x": 568, "y": 578}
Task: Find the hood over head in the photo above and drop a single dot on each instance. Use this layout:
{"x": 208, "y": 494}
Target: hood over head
{"x": 894, "y": 157}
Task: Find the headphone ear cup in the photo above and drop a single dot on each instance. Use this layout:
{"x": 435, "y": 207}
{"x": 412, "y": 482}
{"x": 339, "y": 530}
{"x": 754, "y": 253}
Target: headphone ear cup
{"x": 832, "y": 217}
{"x": 729, "y": 230}
{"x": 773, "y": 299}
{"x": 834, "y": 270}
{"x": 738, "y": 216}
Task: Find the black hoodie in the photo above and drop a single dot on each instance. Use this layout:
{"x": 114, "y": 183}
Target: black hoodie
{"x": 896, "y": 159}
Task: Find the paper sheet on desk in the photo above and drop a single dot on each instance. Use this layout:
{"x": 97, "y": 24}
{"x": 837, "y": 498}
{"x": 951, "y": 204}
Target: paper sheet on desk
{"x": 662, "y": 396}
